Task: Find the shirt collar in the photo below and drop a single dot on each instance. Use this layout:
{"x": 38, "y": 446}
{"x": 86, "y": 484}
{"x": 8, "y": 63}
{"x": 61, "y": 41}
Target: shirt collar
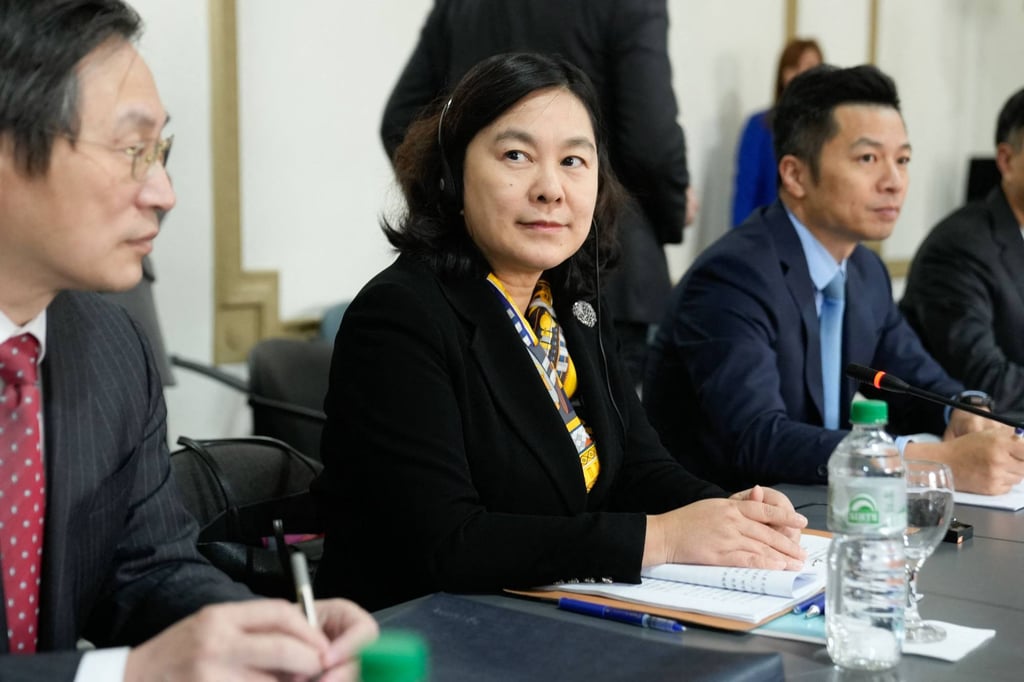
{"x": 36, "y": 327}
{"x": 820, "y": 263}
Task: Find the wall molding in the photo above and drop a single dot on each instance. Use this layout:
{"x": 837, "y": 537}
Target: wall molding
{"x": 246, "y": 307}
{"x": 246, "y": 302}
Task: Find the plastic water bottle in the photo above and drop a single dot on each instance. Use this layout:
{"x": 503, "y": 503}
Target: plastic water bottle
{"x": 867, "y": 514}
{"x": 397, "y": 656}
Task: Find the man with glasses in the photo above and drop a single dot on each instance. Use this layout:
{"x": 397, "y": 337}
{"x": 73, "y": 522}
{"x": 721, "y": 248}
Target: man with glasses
{"x": 94, "y": 541}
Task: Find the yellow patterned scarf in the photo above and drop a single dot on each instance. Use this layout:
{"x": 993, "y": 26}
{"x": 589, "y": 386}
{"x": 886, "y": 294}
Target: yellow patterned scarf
{"x": 543, "y": 337}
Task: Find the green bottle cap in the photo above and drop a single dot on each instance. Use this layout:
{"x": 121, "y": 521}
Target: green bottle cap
{"x": 396, "y": 656}
{"x": 869, "y": 412}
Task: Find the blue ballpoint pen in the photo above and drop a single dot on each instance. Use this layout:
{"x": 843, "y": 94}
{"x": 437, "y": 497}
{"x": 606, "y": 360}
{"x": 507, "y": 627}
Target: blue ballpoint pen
{"x": 644, "y": 620}
{"x": 815, "y": 606}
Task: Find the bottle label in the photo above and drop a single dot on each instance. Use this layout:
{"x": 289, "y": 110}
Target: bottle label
{"x": 863, "y": 511}
{"x": 868, "y": 505}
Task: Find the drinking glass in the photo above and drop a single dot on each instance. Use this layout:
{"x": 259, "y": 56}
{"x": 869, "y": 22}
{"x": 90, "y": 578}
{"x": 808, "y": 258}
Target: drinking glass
{"x": 929, "y": 511}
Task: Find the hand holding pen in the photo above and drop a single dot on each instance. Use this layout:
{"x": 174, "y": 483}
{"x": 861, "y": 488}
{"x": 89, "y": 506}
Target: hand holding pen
{"x": 347, "y": 625}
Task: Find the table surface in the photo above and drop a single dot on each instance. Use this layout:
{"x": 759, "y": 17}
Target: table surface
{"x": 972, "y": 584}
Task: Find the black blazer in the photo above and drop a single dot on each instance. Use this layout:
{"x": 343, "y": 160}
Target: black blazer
{"x": 446, "y": 467}
{"x": 733, "y": 383}
{"x": 965, "y": 297}
{"x": 623, "y": 47}
{"x": 119, "y": 556}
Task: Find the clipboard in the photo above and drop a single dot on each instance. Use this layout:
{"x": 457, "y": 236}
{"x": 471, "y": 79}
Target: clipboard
{"x": 705, "y": 620}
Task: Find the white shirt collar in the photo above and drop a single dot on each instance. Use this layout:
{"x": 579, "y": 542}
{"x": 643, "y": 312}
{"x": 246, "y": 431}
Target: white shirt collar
{"x": 36, "y": 327}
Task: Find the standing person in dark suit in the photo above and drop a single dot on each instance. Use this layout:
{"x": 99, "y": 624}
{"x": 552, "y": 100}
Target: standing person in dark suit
{"x": 94, "y": 541}
{"x": 746, "y": 379}
{"x": 623, "y": 48}
{"x": 478, "y": 436}
{"x": 965, "y": 291}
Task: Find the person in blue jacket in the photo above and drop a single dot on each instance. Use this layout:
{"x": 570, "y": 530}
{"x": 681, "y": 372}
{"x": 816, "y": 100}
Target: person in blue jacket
{"x": 756, "y": 172}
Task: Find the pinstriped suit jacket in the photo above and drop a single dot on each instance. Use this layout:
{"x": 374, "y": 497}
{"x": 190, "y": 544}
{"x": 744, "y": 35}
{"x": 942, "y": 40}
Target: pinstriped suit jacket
{"x": 119, "y": 557}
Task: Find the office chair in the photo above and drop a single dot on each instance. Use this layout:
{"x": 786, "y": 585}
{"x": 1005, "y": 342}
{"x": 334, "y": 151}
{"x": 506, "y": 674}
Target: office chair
{"x": 982, "y": 176}
{"x": 286, "y": 388}
{"x": 236, "y": 488}
{"x": 294, "y": 372}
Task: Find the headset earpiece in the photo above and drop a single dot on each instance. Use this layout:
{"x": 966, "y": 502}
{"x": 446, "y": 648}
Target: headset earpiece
{"x": 600, "y": 337}
{"x": 449, "y": 190}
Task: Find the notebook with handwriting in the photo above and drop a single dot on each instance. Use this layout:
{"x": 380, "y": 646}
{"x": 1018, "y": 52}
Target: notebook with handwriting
{"x": 734, "y": 598}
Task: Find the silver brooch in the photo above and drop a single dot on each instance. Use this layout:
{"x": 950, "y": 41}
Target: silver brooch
{"x": 584, "y": 312}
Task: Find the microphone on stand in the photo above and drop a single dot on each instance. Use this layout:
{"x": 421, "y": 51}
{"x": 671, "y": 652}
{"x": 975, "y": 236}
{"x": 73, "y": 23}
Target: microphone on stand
{"x": 887, "y": 382}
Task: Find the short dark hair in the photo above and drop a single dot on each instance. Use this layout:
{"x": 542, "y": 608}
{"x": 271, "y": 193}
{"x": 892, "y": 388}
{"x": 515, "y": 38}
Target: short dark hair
{"x": 804, "y": 118}
{"x": 433, "y": 229}
{"x": 41, "y": 43}
{"x": 1010, "y": 125}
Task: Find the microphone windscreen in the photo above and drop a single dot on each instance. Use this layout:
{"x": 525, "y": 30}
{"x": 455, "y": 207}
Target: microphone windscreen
{"x": 876, "y": 378}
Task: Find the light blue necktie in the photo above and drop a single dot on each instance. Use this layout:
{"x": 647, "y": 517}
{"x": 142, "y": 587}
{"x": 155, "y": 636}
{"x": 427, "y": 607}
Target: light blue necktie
{"x": 832, "y": 346}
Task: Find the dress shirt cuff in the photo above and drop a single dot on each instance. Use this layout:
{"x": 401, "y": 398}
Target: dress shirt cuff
{"x": 964, "y": 394}
{"x": 901, "y": 444}
{"x": 102, "y": 665}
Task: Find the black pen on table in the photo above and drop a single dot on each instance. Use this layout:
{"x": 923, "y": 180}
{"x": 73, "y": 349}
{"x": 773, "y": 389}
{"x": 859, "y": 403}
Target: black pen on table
{"x": 644, "y": 620}
{"x": 303, "y": 587}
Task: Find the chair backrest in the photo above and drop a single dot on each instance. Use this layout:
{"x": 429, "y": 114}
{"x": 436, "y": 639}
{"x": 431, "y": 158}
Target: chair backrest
{"x": 290, "y": 371}
{"x": 331, "y": 321}
{"x": 982, "y": 176}
{"x": 235, "y": 488}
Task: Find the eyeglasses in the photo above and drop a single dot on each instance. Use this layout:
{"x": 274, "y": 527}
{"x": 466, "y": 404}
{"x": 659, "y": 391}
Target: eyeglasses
{"x": 143, "y": 154}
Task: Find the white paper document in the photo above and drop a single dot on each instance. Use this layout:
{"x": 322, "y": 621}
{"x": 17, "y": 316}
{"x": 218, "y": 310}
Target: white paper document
{"x": 1011, "y": 501}
{"x": 959, "y": 640}
{"x": 744, "y": 594}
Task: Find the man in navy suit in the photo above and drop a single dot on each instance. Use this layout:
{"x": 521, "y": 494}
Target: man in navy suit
{"x": 104, "y": 547}
{"x": 737, "y": 381}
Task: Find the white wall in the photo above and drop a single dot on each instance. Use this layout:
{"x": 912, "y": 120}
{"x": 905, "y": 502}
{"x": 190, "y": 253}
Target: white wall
{"x": 952, "y": 85}
{"x": 315, "y": 74}
{"x": 174, "y": 45}
{"x": 313, "y": 79}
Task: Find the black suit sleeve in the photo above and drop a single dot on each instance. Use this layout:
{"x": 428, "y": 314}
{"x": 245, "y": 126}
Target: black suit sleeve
{"x": 421, "y": 81}
{"x": 129, "y": 560}
{"x": 407, "y": 445}
{"x": 651, "y": 480}
{"x": 648, "y": 146}
{"x": 951, "y": 298}
{"x": 156, "y": 576}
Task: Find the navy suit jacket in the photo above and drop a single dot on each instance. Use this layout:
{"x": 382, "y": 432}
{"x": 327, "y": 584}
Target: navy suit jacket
{"x": 446, "y": 466}
{"x": 119, "y": 557}
{"x": 965, "y": 297}
{"x": 734, "y": 380}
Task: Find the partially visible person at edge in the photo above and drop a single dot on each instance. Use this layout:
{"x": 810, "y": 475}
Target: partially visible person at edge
{"x": 965, "y": 290}
{"x": 756, "y": 180}
{"x": 100, "y": 546}
{"x": 480, "y": 434}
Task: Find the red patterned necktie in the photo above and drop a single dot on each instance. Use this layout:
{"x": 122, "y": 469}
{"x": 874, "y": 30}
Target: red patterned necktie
{"x": 22, "y": 490}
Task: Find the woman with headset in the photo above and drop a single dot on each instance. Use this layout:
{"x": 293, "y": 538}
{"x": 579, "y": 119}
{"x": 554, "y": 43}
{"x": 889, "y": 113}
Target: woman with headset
{"x": 478, "y": 434}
